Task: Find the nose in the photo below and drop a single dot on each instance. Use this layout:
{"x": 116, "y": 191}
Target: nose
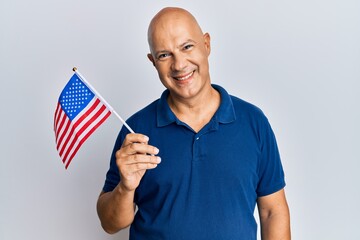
{"x": 179, "y": 62}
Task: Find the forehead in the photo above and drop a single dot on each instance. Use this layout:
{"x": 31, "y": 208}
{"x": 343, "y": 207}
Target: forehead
{"x": 170, "y": 31}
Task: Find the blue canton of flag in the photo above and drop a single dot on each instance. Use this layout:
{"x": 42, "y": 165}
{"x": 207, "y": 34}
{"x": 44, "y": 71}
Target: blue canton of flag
{"x": 78, "y": 114}
{"x": 75, "y": 97}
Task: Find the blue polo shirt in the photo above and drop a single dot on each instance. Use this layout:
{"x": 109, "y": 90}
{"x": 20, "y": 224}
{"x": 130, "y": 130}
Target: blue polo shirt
{"x": 207, "y": 183}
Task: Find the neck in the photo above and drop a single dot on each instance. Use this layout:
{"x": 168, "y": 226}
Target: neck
{"x": 198, "y": 111}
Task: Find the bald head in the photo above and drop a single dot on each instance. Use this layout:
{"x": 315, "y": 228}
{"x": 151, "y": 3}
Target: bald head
{"x": 168, "y": 18}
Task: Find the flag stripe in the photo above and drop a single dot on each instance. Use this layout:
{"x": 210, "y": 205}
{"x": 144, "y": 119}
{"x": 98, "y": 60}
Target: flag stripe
{"x": 61, "y": 114}
{"x": 78, "y": 122}
{"x": 64, "y": 133}
{"x": 55, "y": 115}
{"x": 78, "y": 114}
{"x": 86, "y": 137}
{"x": 62, "y": 119}
{"x": 79, "y": 133}
{"x": 79, "y": 139}
{"x": 89, "y": 112}
{"x": 68, "y": 135}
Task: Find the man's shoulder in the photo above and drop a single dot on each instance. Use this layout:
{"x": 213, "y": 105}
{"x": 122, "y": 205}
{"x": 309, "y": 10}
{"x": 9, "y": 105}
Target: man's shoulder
{"x": 244, "y": 107}
{"x": 239, "y": 105}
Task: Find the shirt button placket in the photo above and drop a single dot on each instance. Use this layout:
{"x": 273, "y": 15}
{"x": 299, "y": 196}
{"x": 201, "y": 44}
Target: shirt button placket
{"x": 196, "y": 148}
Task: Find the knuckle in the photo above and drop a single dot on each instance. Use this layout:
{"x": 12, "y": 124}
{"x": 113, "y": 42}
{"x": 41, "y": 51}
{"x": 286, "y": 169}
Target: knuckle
{"x": 132, "y": 146}
{"x": 118, "y": 154}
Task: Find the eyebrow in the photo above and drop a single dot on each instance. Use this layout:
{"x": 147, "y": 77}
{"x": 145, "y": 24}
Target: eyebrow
{"x": 179, "y": 46}
{"x": 186, "y": 42}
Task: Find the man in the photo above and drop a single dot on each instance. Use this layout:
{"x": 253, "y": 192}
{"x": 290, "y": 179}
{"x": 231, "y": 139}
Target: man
{"x": 218, "y": 153}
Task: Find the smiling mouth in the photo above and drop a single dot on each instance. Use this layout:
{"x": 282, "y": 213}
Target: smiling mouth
{"x": 183, "y": 78}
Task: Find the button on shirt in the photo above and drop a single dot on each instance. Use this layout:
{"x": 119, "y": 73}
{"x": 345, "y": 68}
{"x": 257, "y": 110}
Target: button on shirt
{"x": 207, "y": 183}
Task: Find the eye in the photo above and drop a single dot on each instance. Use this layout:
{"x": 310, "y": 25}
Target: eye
{"x": 188, "y": 46}
{"x": 163, "y": 55}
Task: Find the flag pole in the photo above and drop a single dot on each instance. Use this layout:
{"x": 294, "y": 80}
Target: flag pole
{"x": 102, "y": 99}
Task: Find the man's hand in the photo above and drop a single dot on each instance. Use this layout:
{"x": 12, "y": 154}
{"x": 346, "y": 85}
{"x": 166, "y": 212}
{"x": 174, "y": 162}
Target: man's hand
{"x": 116, "y": 208}
{"x": 134, "y": 158}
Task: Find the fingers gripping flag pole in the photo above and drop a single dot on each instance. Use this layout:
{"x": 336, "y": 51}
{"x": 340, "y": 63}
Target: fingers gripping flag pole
{"x": 79, "y": 112}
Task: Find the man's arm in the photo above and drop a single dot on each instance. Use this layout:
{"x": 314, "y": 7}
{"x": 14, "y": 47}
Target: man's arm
{"x": 274, "y": 217}
{"x": 116, "y": 208}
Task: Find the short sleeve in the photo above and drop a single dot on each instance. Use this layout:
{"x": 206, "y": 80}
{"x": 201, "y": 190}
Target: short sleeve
{"x": 270, "y": 171}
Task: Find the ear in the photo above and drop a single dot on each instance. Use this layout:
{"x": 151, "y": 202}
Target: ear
{"x": 151, "y": 58}
{"x": 207, "y": 42}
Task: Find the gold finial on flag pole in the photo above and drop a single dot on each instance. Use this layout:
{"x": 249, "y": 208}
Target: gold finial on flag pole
{"x": 74, "y": 69}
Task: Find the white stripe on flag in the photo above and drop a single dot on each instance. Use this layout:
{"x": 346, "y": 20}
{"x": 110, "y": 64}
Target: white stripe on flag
{"x": 63, "y": 129}
{"x": 66, "y": 139}
{"x": 55, "y": 117}
{"x": 59, "y": 126}
{"x": 86, "y": 131}
{"x": 69, "y": 139}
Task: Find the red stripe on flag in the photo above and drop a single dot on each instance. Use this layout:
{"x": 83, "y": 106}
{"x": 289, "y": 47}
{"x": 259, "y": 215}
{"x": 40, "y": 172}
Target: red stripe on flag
{"x": 63, "y": 117}
{"x": 68, "y": 124}
{"x": 87, "y": 113}
{"x": 63, "y": 146}
{"x": 77, "y": 123}
{"x": 55, "y": 115}
{"x": 83, "y": 128}
{"x": 86, "y": 137}
{"x": 83, "y": 138}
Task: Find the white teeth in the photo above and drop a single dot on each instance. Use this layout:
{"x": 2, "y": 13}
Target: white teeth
{"x": 186, "y": 77}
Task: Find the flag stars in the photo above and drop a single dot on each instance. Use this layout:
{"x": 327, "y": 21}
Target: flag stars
{"x": 75, "y": 97}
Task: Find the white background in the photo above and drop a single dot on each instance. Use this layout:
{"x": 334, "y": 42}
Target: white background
{"x": 299, "y": 61}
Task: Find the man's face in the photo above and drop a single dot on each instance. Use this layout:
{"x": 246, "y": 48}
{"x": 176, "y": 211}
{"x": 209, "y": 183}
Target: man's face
{"x": 179, "y": 52}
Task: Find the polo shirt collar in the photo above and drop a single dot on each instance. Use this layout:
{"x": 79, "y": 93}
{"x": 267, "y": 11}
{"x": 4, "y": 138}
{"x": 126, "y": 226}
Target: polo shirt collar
{"x": 225, "y": 113}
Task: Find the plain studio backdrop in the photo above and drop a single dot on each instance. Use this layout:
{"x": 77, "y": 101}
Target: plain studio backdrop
{"x": 299, "y": 61}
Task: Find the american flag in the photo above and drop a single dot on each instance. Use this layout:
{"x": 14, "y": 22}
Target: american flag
{"x": 78, "y": 114}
